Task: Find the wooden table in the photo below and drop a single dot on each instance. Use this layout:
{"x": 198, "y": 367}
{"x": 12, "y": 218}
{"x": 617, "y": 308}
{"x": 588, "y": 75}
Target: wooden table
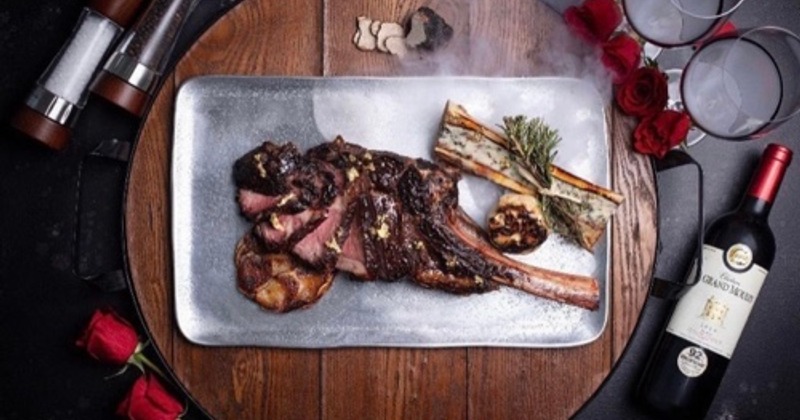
{"x": 263, "y": 37}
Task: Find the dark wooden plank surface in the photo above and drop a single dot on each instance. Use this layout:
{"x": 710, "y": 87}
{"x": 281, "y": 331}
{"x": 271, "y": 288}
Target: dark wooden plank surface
{"x": 261, "y": 37}
{"x": 633, "y": 231}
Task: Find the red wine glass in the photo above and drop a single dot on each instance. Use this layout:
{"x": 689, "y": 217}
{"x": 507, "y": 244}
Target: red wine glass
{"x": 743, "y": 85}
{"x": 677, "y": 23}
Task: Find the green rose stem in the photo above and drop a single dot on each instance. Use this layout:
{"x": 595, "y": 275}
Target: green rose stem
{"x": 139, "y": 359}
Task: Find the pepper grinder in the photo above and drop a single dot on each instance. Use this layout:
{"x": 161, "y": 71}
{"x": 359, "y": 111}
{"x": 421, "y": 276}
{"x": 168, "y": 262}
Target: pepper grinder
{"x": 132, "y": 73}
{"x": 51, "y": 109}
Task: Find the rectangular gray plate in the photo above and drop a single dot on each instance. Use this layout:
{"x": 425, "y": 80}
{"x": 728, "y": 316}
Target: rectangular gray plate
{"x": 219, "y": 118}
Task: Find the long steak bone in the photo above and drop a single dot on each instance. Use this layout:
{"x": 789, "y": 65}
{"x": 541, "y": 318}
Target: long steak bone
{"x": 431, "y": 194}
{"x": 573, "y": 289}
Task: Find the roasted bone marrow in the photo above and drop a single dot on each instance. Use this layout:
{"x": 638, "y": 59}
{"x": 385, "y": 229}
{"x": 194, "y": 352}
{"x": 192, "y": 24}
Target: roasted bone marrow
{"x": 478, "y": 149}
{"x": 516, "y": 225}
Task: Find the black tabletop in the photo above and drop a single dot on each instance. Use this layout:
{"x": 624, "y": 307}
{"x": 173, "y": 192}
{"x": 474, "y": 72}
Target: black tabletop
{"x": 44, "y": 305}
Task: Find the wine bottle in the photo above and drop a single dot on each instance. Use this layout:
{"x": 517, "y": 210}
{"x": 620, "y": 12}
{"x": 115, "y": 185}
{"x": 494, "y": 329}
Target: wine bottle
{"x": 692, "y": 354}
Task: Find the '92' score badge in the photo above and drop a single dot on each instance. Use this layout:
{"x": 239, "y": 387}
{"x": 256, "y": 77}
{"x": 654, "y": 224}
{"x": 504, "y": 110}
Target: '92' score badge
{"x": 692, "y": 361}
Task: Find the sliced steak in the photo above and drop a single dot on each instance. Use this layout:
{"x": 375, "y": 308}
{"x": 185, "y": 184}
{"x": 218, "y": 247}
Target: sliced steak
{"x": 253, "y": 204}
{"x": 352, "y": 259}
{"x": 282, "y": 231}
{"x": 374, "y": 214}
{"x": 321, "y": 247}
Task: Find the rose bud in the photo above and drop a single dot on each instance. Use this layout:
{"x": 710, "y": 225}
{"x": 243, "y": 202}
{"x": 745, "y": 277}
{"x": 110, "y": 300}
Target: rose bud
{"x": 621, "y": 55}
{"x": 109, "y": 338}
{"x": 657, "y": 134}
{"x": 149, "y": 400}
{"x": 643, "y": 93}
{"x": 594, "y": 21}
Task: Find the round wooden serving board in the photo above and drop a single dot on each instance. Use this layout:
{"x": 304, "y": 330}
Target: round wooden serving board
{"x": 263, "y": 37}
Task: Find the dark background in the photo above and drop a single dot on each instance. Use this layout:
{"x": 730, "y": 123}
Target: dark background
{"x": 44, "y": 306}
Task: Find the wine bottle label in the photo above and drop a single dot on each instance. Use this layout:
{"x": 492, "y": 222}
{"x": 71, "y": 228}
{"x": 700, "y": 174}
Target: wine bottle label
{"x": 713, "y": 312}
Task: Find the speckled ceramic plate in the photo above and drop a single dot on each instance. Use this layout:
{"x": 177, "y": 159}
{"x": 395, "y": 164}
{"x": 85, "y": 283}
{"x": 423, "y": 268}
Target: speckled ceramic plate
{"x": 219, "y": 118}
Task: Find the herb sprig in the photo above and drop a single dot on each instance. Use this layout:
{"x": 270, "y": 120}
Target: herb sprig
{"x": 533, "y": 145}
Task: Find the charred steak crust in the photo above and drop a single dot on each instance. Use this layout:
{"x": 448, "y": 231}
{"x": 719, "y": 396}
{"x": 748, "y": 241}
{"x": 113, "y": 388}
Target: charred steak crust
{"x": 376, "y": 215}
{"x": 264, "y": 169}
{"x": 385, "y": 251}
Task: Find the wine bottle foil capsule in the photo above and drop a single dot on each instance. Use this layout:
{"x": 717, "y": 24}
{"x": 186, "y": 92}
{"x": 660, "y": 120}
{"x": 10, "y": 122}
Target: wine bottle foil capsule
{"x": 772, "y": 168}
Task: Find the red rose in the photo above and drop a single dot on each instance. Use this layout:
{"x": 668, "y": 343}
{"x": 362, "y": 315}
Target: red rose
{"x": 621, "y": 55}
{"x": 657, "y": 134}
{"x": 643, "y": 93}
{"x": 109, "y": 338}
{"x": 595, "y": 20}
{"x": 149, "y": 400}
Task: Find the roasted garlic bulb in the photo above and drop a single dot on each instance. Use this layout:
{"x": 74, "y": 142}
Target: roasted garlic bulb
{"x": 517, "y": 225}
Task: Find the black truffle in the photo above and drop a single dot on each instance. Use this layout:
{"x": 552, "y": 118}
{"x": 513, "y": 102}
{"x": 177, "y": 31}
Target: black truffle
{"x": 427, "y": 30}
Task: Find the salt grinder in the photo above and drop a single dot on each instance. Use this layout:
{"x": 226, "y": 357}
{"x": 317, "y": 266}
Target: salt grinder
{"x": 131, "y": 74}
{"x": 51, "y": 109}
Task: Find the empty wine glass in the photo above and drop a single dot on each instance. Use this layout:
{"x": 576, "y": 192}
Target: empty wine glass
{"x": 676, "y": 23}
{"x": 741, "y": 86}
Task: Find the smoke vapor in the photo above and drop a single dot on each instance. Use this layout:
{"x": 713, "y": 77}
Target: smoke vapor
{"x": 499, "y": 41}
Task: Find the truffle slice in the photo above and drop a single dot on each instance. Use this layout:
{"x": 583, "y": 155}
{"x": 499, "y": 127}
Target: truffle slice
{"x": 427, "y": 30}
{"x": 386, "y": 31}
{"x": 364, "y": 39}
{"x": 374, "y": 27}
{"x": 396, "y": 45}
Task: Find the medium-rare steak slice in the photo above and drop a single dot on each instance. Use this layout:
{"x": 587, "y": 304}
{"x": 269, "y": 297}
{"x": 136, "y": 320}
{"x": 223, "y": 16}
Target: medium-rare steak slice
{"x": 352, "y": 259}
{"x": 321, "y": 247}
{"x": 282, "y": 231}
{"x": 252, "y": 204}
